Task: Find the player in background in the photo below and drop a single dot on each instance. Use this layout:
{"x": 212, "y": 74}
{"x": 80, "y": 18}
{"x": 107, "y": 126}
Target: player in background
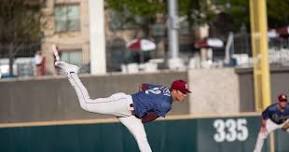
{"x": 274, "y": 117}
{"x": 152, "y": 101}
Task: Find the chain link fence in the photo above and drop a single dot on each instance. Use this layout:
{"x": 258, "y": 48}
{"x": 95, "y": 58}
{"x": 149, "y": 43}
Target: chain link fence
{"x": 18, "y": 60}
{"x": 278, "y": 50}
{"x": 240, "y": 55}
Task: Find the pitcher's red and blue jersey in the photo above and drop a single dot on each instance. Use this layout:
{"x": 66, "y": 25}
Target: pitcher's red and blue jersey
{"x": 155, "y": 98}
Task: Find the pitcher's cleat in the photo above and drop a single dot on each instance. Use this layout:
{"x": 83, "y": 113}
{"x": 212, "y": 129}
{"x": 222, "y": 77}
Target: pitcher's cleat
{"x": 66, "y": 67}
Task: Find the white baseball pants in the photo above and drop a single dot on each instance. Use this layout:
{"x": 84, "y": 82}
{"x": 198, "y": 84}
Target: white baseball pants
{"x": 118, "y": 105}
{"x": 270, "y": 126}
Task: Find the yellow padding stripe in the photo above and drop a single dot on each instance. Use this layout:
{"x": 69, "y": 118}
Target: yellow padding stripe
{"x": 114, "y": 120}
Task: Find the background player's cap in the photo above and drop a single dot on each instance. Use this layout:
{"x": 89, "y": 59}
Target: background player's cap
{"x": 180, "y": 85}
{"x": 282, "y": 97}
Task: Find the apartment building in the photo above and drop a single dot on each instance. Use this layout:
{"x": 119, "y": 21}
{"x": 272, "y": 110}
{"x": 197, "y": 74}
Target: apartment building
{"x": 66, "y": 24}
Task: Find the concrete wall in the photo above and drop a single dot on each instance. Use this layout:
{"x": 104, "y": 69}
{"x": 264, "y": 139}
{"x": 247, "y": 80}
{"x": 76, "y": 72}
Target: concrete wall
{"x": 279, "y": 84}
{"x": 54, "y": 99}
{"x": 230, "y": 90}
{"x": 214, "y": 91}
{"x": 174, "y": 135}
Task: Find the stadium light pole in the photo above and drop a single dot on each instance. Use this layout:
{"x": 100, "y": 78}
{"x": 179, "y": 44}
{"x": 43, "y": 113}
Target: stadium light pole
{"x": 173, "y": 29}
{"x": 97, "y": 37}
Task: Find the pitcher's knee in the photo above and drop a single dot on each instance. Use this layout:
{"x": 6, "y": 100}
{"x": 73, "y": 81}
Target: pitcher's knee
{"x": 84, "y": 104}
{"x": 84, "y": 107}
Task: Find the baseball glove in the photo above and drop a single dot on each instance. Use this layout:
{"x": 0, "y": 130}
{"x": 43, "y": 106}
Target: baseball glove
{"x": 286, "y": 126}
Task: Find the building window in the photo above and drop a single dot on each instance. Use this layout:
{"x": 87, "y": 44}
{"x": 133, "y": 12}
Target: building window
{"x": 67, "y": 18}
{"x": 72, "y": 56}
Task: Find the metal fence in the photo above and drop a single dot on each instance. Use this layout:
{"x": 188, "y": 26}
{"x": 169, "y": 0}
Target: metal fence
{"x": 21, "y": 57}
{"x": 236, "y": 52}
{"x": 278, "y": 50}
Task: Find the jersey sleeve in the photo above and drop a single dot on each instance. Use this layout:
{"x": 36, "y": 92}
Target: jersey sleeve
{"x": 265, "y": 113}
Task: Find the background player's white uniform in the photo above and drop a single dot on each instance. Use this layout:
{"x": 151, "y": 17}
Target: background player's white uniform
{"x": 274, "y": 119}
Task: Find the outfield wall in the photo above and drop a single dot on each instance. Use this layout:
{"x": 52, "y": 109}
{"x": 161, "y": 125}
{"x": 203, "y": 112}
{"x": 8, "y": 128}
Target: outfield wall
{"x": 174, "y": 134}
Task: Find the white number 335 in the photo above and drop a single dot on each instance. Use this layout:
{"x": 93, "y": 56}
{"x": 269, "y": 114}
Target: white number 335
{"x": 230, "y": 130}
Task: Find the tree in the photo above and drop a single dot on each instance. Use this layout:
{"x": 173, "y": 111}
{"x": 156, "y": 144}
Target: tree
{"x": 135, "y": 12}
{"x": 237, "y": 11}
{"x": 197, "y": 12}
{"x": 278, "y": 14}
{"x": 19, "y": 26}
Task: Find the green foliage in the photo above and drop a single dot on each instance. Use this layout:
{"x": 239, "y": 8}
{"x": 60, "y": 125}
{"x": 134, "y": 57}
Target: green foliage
{"x": 19, "y": 22}
{"x": 278, "y": 14}
{"x": 134, "y": 13}
{"x": 197, "y": 11}
{"x": 238, "y": 10}
{"x": 145, "y": 8}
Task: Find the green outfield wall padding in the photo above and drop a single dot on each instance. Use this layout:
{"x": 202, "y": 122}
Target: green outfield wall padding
{"x": 233, "y": 134}
{"x": 281, "y": 141}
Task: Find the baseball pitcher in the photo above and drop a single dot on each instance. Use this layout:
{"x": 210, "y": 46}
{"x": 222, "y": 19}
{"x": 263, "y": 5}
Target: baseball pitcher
{"x": 274, "y": 117}
{"x": 151, "y": 102}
